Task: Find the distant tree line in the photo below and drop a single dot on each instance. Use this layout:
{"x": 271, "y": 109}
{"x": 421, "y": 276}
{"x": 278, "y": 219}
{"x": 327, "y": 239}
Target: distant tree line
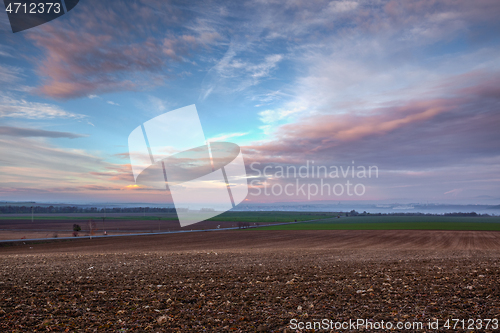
{"x": 74, "y": 209}
{"x": 355, "y": 213}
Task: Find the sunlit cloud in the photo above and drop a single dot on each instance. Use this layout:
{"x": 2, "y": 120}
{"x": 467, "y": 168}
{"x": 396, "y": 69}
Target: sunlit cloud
{"x": 225, "y": 137}
{"x": 14, "y": 108}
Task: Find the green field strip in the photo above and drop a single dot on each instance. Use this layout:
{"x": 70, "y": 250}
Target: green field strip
{"x": 397, "y": 223}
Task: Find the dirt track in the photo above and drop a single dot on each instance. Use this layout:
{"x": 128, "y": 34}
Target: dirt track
{"x": 249, "y": 280}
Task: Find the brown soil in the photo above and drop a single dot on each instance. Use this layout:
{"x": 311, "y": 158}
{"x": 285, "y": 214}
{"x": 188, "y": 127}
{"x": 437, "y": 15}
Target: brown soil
{"x": 249, "y": 280}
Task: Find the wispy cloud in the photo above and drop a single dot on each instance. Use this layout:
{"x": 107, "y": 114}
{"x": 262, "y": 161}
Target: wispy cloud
{"x": 225, "y": 137}
{"x": 10, "y": 74}
{"x": 269, "y": 97}
{"x": 20, "y": 108}
{"x": 335, "y": 7}
{"x": 11, "y": 79}
{"x": 273, "y": 116}
{"x": 159, "y": 105}
{"x": 231, "y": 74}
{"x": 32, "y": 132}
{"x": 6, "y": 51}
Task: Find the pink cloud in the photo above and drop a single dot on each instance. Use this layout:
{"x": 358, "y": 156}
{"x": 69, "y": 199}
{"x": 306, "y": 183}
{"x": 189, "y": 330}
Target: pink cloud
{"x": 109, "y": 49}
{"x": 320, "y": 132}
{"x": 458, "y": 127}
{"x": 122, "y": 173}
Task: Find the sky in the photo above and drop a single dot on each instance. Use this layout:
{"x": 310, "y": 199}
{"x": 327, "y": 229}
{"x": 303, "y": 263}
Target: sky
{"x": 408, "y": 88}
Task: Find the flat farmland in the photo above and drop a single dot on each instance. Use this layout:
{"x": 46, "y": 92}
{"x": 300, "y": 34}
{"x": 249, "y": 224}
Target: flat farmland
{"x": 249, "y": 280}
{"x": 63, "y": 227}
{"x": 14, "y": 226}
{"x": 491, "y": 223}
